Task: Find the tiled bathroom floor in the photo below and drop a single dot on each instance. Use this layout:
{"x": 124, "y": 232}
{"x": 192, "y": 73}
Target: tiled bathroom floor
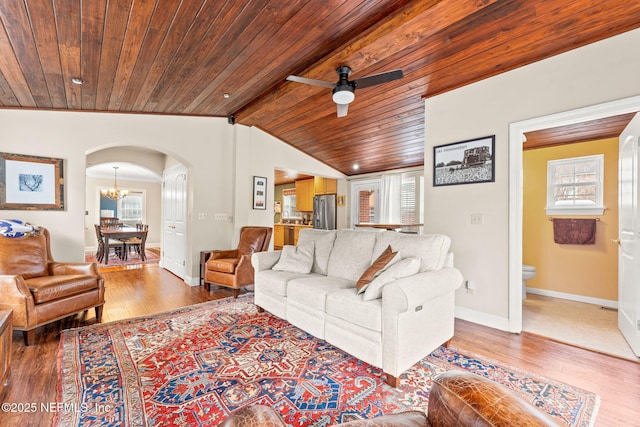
{"x": 577, "y": 323}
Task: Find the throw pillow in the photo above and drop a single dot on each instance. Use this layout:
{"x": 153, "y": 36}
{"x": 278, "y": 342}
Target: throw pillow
{"x": 377, "y": 267}
{"x": 403, "y": 268}
{"x": 296, "y": 259}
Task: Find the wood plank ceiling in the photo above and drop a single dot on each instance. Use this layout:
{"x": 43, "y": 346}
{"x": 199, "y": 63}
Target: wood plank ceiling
{"x": 182, "y": 57}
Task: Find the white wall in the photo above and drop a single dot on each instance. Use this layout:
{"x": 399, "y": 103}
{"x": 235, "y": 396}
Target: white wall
{"x": 260, "y": 154}
{"x": 216, "y": 154}
{"x": 601, "y": 72}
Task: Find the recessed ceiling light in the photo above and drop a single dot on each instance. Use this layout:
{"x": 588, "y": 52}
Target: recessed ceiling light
{"x": 355, "y": 167}
{"x": 77, "y": 81}
{"x": 226, "y": 96}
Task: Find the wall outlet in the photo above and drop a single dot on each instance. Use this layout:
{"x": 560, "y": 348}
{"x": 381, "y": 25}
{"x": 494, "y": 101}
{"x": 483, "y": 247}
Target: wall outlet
{"x": 471, "y": 287}
{"x": 477, "y": 219}
{"x": 221, "y": 217}
{"x": 202, "y": 216}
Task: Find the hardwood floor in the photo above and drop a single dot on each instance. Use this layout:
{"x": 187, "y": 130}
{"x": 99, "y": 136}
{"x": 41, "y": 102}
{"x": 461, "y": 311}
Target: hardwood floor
{"x": 148, "y": 290}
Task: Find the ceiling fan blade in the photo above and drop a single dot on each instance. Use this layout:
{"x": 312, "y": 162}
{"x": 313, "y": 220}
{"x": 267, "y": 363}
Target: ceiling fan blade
{"x": 311, "y": 81}
{"x": 342, "y": 109}
{"x": 376, "y": 79}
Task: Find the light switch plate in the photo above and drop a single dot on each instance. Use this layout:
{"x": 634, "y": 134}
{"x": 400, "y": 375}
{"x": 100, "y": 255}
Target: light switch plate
{"x": 476, "y": 219}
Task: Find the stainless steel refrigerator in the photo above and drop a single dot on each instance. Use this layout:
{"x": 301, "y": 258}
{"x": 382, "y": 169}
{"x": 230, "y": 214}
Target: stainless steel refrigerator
{"x": 324, "y": 212}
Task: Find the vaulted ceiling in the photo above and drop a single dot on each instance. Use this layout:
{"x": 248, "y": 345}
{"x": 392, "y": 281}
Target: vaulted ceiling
{"x": 223, "y": 58}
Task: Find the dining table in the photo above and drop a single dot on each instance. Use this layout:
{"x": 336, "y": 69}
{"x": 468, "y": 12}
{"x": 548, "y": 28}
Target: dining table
{"x": 122, "y": 232}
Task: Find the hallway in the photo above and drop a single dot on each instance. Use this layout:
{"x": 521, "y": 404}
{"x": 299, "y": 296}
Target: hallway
{"x": 581, "y": 324}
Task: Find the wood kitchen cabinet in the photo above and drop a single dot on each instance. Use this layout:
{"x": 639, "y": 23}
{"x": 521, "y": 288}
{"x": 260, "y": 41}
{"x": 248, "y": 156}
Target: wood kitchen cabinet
{"x": 325, "y": 185}
{"x": 304, "y": 195}
{"x": 278, "y": 236}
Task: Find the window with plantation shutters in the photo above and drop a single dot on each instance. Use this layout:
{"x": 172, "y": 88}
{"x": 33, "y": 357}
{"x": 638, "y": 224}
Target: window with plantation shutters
{"x": 411, "y": 195}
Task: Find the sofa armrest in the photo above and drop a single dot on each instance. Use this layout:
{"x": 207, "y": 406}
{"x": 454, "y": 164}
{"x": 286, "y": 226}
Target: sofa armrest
{"x": 67, "y": 269}
{"x": 264, "y": 260}
{"x": 466, "y": 399}
{"x": 410, "y": 292}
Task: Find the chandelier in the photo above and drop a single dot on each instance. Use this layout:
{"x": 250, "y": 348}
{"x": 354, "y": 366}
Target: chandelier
{"x": 114, "y": 193}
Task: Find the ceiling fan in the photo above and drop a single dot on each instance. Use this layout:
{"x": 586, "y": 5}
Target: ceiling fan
{"x": 344, "y": 89}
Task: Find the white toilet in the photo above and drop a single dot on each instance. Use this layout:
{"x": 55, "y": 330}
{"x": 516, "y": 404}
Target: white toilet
{"x": 528, "y": 273}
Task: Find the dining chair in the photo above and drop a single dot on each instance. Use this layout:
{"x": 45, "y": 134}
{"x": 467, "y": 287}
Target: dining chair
{"x": 117, "y": 245}
{"x": 137, "y": 243}
{"x": 109, "y": 222}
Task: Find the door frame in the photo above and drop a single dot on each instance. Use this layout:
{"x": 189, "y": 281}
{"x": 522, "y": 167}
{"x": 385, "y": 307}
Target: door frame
{"x": 516, "y": 139}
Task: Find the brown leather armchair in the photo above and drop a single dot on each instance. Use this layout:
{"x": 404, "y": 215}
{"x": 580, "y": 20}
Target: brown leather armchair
{"x": 39, "y": 290}
{"x": 232, "y": 268}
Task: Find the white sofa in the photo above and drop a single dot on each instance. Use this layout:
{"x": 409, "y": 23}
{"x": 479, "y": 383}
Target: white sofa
{"x": 413, "y": 317}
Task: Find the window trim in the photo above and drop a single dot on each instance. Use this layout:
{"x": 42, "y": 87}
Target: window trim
{"x": 597, "y": 209}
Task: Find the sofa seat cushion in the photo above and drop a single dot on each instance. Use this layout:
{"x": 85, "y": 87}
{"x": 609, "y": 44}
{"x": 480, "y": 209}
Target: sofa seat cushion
{"x": 50, "y": 288}
{"x": 223, "y": 265}
{"x": 276, "y": 282}
{"x": 312, "y": 291}
{"x": 347, "y": 305}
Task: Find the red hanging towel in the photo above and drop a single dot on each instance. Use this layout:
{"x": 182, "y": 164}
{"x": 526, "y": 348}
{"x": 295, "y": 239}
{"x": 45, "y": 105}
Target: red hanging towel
{"x": 572, "y": 231}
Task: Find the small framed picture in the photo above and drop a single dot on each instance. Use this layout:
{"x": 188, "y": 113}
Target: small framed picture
{"x": 259, "y": 192}
{"x": 31, "y": 182}
{"x": 465, "y": 162}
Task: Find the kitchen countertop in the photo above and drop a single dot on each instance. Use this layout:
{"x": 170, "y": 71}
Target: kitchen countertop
{"x": 295, "y": 225}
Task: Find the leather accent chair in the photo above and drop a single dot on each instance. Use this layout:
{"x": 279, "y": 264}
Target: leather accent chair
{"x": 456, "y": 398}
{"x": 232, "y": 268}
{"x": 39, "y": 290}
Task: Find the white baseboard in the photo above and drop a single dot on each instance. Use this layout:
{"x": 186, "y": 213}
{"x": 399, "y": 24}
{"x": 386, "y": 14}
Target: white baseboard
{"x": 192, "y": 281}
{"x": 572, "y": 297}
{"x": 481, "y": 318}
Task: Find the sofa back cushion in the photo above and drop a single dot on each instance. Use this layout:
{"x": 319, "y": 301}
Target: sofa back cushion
{"x": 351, "y": 254}
{"x": 323, "y": 244}
{"x": 432, "y": 249}
{"x": 24, "y": 256}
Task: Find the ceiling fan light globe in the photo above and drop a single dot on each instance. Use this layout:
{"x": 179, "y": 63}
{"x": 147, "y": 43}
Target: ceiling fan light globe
{"x": 343, "y": 97}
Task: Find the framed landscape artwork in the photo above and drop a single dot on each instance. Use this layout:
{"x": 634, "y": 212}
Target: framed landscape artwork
{"x": 31, "y": 182}
{"x": 259, "y": 192}
{"x": 464, "y": 162}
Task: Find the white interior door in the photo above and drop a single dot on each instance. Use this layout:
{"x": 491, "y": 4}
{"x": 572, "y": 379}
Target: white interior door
{"x": 629, "y": 226}
{"x": 174, "y": 202}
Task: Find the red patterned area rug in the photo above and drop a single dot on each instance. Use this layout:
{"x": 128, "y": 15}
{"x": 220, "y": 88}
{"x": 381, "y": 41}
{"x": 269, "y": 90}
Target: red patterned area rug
{"x": 152, "y": 257}
{"x": 195, "y": 365}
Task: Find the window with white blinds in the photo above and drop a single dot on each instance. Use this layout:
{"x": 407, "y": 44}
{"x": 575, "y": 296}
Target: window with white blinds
{"x": 131, "y": 208}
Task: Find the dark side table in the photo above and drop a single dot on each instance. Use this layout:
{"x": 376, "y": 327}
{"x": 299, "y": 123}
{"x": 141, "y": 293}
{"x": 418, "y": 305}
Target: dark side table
{"x": 204, "y": 256}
